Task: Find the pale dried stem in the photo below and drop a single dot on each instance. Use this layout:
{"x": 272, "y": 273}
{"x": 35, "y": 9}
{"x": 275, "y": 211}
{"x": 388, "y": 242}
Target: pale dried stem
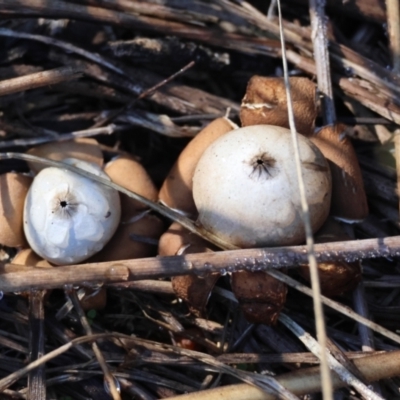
{"x": 312, "y": 261}
{"x": 38, "y": 79}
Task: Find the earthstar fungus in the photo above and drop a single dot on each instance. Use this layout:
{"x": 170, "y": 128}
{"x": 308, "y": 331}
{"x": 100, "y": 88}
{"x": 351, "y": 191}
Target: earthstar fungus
{"x": 68, "y": 217}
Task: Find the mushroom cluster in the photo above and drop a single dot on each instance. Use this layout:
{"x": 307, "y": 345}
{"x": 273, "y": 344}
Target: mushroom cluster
{"x": 241, "y": 185}
{"x": 59, "y": 217}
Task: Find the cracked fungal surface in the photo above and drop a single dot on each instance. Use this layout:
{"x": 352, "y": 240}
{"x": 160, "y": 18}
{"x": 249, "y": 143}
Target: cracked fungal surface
{"x": 264, "y": 166}
{"x": 67, "y": 217}
{"x": 246, "y": 191}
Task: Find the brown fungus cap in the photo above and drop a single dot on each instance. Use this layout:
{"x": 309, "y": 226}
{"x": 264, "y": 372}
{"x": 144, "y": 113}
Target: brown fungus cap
{"x": 176, "y": 191}
{"x": 265, "y": 103}
{"x": 136, "y": 239}
{"x": 30, "y": 258}
{"x": 85, "y": 149}
{"x": 261, "y": 297}
{"x": 349, "y": 200}
{"x": 194, "y": 290}
{"x": 94, "y": 299}
{"x": 130, "y": 174}
{"x": 335, "y": 277}
{"x": 13, "y": 190}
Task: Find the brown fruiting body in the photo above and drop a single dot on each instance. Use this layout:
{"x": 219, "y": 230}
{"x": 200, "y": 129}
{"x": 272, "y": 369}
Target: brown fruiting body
{"x": 30, "y": 258}
{"x": 261, "y": 297}
{"x": 176, "y": 191}
{"x": 13, "y": 190}
{"x": 85, "y": 149}
{"x": 94, "y": 299}
{"x": 193, "y": 289}
{"x": 130, "y": 174}
{"x": 335, "y": 277}
{"x": 349, "y": 200}
{"x": 129, "y": 241}
{"x": 265, "y": 103}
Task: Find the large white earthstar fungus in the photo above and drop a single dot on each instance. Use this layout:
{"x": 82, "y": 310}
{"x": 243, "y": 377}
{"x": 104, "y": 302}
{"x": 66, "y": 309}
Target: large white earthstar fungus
{"x": 67, "y": 217}
{"x": 246, "y": 191}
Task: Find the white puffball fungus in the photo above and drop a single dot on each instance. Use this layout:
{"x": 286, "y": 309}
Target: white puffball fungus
{"x": 246, "y": 191}
{"x": 67, "y": 217}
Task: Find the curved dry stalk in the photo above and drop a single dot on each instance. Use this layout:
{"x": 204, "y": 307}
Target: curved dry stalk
{"x": 166, "y": 212}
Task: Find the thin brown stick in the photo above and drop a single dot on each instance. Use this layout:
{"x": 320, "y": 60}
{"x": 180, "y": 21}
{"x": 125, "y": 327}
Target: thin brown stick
{"x": 17, "y": 278}
{"x": 38, "y": 79}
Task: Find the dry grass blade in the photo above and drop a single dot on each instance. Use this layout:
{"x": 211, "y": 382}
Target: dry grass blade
{"x": 312, "y": 261}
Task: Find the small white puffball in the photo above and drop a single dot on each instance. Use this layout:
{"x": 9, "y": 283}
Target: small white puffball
{"x": 246, "y": 191}
{"x": 67, "y": 217}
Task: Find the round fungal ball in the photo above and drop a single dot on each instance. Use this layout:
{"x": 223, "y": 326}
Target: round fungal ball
{"x": 67, "y": 217}
{"x": 246, "y": 191}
